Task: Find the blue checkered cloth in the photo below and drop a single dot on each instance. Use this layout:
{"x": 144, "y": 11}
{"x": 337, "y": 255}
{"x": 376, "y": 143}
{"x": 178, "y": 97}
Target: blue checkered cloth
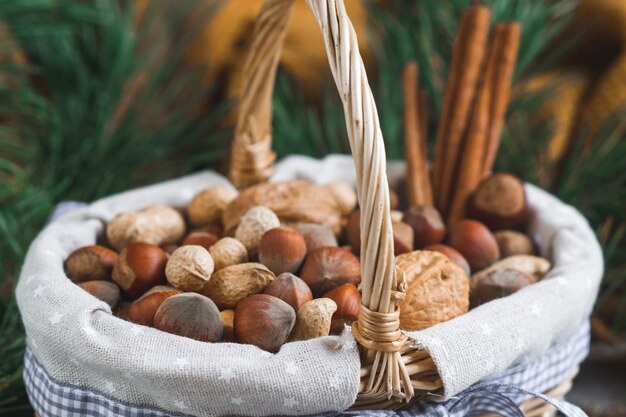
{"x": 51, "y": 398}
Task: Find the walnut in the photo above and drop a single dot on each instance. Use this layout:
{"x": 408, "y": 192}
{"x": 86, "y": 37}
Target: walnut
{"x": 438, "y": 290}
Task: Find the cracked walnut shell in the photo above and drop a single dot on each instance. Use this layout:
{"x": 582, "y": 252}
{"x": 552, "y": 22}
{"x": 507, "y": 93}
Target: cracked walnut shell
{"x": 438, "y": 290}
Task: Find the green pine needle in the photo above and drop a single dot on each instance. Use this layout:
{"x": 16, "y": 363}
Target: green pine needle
{"x": 100, "y": 107}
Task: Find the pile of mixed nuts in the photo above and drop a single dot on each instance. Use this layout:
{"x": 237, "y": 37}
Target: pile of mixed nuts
{"x": 279, "y": 262}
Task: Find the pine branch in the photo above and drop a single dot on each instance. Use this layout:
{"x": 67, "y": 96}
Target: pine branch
{"x": 90, "y": 106}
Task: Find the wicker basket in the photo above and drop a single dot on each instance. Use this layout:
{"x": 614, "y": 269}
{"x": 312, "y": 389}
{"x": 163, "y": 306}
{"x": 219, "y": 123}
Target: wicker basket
{"x": 393, "y": 369}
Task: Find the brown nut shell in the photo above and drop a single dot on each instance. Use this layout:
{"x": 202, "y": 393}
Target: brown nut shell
{"x": 317, "y": 236}
{"x": 139, "y": 267}
{"x": 282, "y": 249}
{"x": 532, "y": 266}
{"x": 228, "y": 318}
{"x": 327, "y": 268}
{"x": 348, "y": 300}
{"x": 233, "y": 284}
{"x": 353, "y": 232}
{"x": 498, "y": 283}
{"x": 402, "y": 238}
{"x": 314, "y": 319}
{"x": 90, "y": 263}
{"x": 428, "y": 226}
{"x": 290, "y": 289}
{"x": 295, "y": 201}
{"x": 155, "y": 224}
{"x": 189, "y": 268}
{"x": 476, "y": 243}
{"x": 143, "y": 309}
{"x": 453, "y": 254}
{"x": 190, "y": 315}
{"x": 513, "y": 243}
{"x": 438, "y": 290}
{"x": 103, "y": 290}
{"x": 204, "y": 239}
{"x": 264, "y": 321}
{"x": 499, "y": 201}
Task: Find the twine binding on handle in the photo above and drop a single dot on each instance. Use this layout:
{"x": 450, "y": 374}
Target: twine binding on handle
{"x": 389, "y": 362}
{"x": 252, "y": 159}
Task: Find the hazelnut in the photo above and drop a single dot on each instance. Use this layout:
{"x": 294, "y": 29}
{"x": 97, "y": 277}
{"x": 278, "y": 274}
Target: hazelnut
{"x": 282, "y": 249}
{"x": 190, "y": 315}
{"x": 314, "y": 319}
{"x": 139, "y": 267}
{"x": 452, "y": 254}
{"x": 402, "y": 238}
{"x": 90, "y": 263}
{"x": 499, "y": 201}
{"x": 103, "y": 290}
{"x": 233, "y": 284}
{"x": 513, "y": 243}
{"x": 344, "y": 194}
{"x": 253, "y": 225}
{"x": 154, "y": 224}
{"x": 428, "y": 226}
{"x": 228, "y": 251}
{"x": 228, "y": 318}
{"x": 204, "y": 239}
{"x": 143, "y": 309}
{"x": 264, "y": 321}
{"x": 353, "y": 232}
{"x": 290, "y": 289}
{"x": 533, "y": 266}
{"x": 207, "y": 206}
{"x": 327, "y": 268}
{"x": 189, "y": 268}
{"x": 317, "y": 236}
{"x": 476, "y": 243}
{"x": 437, "y": 289}
{"x": 498, "y": 283}
{"x": 348, "y": 300}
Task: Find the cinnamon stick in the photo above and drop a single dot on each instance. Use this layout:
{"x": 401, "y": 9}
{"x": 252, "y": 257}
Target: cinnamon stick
{"x": 419, "y": 190}
{"x": 424, "y": 117}
{"x": 470, "y": 166}
{"x": 502, "y": 91}
{"x": 467, "y": 56}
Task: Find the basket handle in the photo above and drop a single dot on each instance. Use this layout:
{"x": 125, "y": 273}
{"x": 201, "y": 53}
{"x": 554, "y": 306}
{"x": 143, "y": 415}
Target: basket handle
{"x": 378, "y": 326}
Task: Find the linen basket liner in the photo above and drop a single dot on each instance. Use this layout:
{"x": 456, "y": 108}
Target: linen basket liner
{"x": 78, "y": 342}
{"x": 51, "y": 398}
